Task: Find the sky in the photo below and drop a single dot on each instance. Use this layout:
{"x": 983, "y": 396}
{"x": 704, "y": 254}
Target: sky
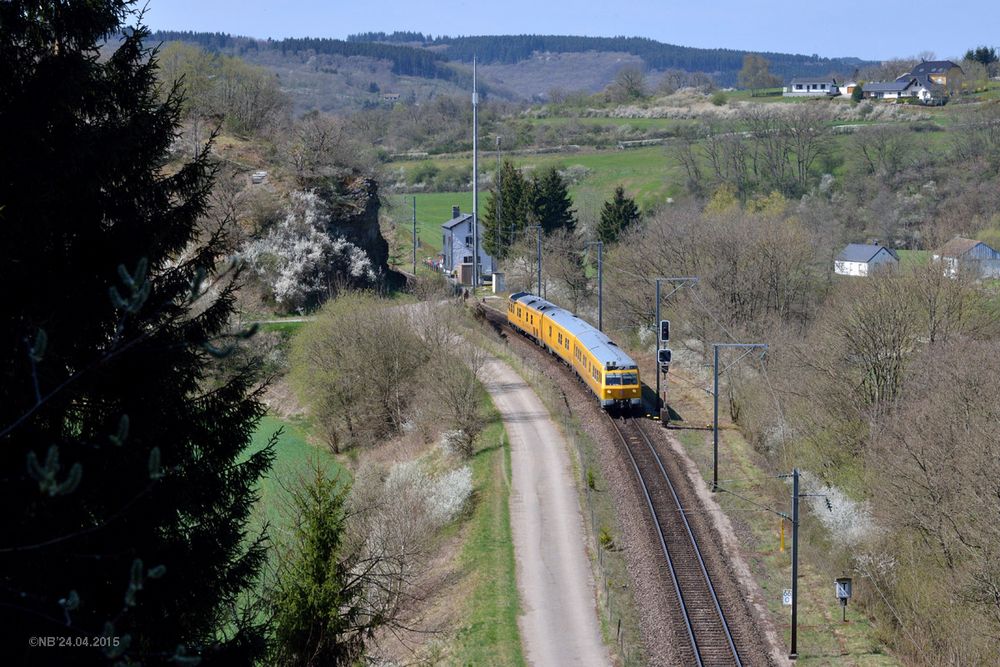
{"x": 869, "y": 29}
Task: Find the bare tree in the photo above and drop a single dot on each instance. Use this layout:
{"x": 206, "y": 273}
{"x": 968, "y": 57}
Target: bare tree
{"x": 356, "y": 367}
{"x": 629, "y": 85}
{"x": 937, "y": 462}
{"x": 563, "y": 266}
{"x": 881, "y": 150}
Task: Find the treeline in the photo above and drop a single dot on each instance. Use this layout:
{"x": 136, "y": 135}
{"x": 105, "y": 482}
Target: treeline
{"x": 400, "y": 36}
{"x": 214, "y": 42}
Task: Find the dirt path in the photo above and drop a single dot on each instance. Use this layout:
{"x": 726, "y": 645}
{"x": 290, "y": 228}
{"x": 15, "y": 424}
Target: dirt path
{"x": 558, "y": 623}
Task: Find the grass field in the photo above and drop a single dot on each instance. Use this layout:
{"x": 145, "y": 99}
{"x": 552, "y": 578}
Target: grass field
{"x": 490, "y": 636}
{"x": 292, "y": 460}
{"x": 648, "y": 174}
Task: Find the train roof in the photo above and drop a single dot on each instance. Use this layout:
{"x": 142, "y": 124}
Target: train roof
{"x": 607, "y": 352}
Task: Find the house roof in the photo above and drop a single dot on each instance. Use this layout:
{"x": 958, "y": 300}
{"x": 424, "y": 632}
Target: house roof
{"x": 897, "y": 86}
{"x": 827, "y": 80}
{"x": 957, "y": 247}
{"x": 933, "y": 67}
{"x": 862, "y": 252}
{"x": 455, "y": 222}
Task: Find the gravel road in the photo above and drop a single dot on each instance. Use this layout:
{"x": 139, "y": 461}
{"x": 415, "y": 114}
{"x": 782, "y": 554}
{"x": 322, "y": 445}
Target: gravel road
{"x": 558, "y": 622}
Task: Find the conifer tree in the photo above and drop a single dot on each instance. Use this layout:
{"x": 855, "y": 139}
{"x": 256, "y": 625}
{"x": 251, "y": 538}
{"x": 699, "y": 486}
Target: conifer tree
{"x": 550, "y": 202}
{"x": 512, "y": 211}
{"x": 127, "y": 484}
{"x": 616, "y": 215}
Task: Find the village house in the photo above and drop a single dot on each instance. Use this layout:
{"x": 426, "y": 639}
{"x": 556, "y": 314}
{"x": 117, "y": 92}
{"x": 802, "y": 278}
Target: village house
{"x": 799, "y": 87}
{"x": 961, "y": 254}
{"x": 456, "y": 244}
{"x": 930, "y": 82}
{"x": 859, "y": 259}
{"x": 940, "y": 72}
{"x": 848, "y": 88}
{"x": 891, "y": 90}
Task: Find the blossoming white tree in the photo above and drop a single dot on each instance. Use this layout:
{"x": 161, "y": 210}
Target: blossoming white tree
{"x": 299, "y": 260}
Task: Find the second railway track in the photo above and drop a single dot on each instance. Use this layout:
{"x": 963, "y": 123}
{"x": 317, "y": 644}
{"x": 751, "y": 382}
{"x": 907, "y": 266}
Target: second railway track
{"x": 711, "y": 641}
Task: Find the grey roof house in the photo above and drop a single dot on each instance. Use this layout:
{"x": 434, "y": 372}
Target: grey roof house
{"x": 456, "y": 243}
{"x": 861, "y": 259}
{"x": 968, "y": 254}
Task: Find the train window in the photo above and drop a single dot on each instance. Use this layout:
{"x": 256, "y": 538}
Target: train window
{"x": 550, "y": 332}
{"x": 630, "y": 378}
{"x": 559, "y": 338}
{"x": 613, "y": 380}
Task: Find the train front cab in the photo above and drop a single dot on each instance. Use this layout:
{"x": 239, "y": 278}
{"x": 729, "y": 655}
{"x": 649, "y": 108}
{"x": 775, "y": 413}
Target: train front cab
{"x": 621, "y": 388}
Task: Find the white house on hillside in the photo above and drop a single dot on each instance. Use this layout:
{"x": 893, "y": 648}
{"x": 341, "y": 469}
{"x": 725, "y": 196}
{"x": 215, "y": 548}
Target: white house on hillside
{"x": 456, "y": 244}
{"x": 858, "y": 259}
{"x": 960, "y": 253}
{"x": 800, "y": 87}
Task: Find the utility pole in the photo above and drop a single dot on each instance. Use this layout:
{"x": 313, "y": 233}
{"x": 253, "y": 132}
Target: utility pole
{"x": 499, "y": 207}
{"x": 600, "y": 283}
{"x": 538, "y": 228}
{"x": 793, "y": 653}
{"x": 414, "y": 237}
{"x": 715, "y": 400}
{"x": 679, "y": 281}
{"x": 475, "y": 178}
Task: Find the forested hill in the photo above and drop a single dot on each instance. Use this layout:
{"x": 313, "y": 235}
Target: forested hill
{"x": 416, "y": 54}
{"x": 725, "y": 64}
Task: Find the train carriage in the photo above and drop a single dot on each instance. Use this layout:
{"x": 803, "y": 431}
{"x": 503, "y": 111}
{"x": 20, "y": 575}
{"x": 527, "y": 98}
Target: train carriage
{"x": 610, "y": 374}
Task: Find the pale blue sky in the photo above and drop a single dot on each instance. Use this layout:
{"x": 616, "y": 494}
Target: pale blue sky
{"x": 871, "y": 29}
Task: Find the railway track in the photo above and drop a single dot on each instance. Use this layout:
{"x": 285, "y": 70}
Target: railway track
{"x": 711, "y": 641}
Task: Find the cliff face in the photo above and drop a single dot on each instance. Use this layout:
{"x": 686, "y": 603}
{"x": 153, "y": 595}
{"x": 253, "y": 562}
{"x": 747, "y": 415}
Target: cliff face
{"x": 354, "y": 208}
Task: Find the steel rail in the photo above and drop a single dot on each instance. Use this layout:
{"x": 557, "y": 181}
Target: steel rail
{"x": 692, "y": 634}
{"x": 663, "y": 542}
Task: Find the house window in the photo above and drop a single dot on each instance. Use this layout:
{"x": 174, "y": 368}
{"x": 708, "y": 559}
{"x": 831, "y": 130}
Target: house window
{"x": 823, "y": 86}
{"x": 798, "y": 86}
{"x": 467, "y": 259}
{"x": 468, "y": 240}
{"x": 444, "y": 241}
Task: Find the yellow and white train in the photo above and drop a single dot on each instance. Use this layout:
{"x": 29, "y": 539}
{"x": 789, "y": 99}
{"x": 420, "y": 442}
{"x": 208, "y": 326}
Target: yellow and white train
{"x": 610, "y": 374}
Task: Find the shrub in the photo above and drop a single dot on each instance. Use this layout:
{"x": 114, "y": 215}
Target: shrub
{"x": 719, "y": 98}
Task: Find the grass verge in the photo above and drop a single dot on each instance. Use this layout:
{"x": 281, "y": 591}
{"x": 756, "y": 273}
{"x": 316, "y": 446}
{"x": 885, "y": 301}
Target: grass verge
{"x": 490, "y": 635}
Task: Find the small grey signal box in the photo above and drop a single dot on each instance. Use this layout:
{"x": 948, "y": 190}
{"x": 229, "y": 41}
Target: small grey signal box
{"x": 843, "y": 589}
{"x": 664, "y": 330}
{"x": 843, "y": 593}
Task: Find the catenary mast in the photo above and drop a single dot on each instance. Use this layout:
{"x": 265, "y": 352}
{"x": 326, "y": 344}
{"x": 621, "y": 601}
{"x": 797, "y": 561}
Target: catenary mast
{"x": 475, "y": 178}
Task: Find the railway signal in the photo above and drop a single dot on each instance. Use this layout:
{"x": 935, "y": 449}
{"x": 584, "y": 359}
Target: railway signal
{"x": 678, "y": 282}
{"x": 663, "y": 357}
{"x": 664, "y": 331}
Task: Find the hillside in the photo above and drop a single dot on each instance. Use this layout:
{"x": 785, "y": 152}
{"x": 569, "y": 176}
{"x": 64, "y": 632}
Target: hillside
{"x": 374, "y": 68}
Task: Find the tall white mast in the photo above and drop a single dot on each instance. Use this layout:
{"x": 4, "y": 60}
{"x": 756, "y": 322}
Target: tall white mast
{"x": 475, "y": 178}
